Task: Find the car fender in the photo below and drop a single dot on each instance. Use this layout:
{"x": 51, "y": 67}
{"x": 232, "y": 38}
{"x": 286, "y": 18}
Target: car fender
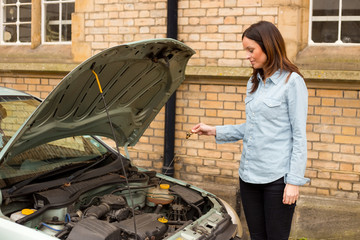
{"x": 10, "y": 230}
{"x": 234, "y": 217}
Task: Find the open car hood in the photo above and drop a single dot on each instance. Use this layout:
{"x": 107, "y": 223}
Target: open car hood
{"x": 136, "y": 79}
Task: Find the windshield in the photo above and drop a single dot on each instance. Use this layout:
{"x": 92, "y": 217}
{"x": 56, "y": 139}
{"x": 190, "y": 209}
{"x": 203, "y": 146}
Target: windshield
{"x": 43, "y": 158}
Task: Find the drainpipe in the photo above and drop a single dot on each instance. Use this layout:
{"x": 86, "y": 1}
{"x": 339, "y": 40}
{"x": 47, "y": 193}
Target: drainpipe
{"x": 169, "y": 136}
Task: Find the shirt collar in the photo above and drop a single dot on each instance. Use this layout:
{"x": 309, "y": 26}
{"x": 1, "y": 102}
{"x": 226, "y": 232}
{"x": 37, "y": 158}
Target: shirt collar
{"x": 275, "y": 78}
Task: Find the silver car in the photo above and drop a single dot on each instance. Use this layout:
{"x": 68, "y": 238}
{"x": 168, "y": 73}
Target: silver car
{"x": 59, "y": 180}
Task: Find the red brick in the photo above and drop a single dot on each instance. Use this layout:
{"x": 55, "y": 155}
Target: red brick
{"x": 211, "y": 104}
{"x": 349, "y": 112}
{"x": 229, "y": 113}
{"x": 347, "y": 121}
{"x": 348, "y": 131}
{"x": 209, "y": 170}
{"x": 326, "y": 147}
{"x": 329, "y": 93}
{"x": 323, "y": 128}
{"x": 347, "y": 149}
{"x": 347, "y": 103}
{"x": 346, "y": 167}
{"x": 211, "y": 96}
{"x": 349, "y": 158}
{"x": 327, "y": 120}
{"x": 356, "y": 187}
{"x": 324, "y": 183}
{"x": 327, "y": 102}
{"x": 328, "y": 111}
{"x": 345, "y": 176}
{"x": 323, "y": 175}
{"x": 347, "y": 139}
{"x": 327, "y": 138}
{"x": 325, "y": 155}
{"x": 351, "y": 94}
{"x": 314, "y": 101}
{"x": 323, "y": 192}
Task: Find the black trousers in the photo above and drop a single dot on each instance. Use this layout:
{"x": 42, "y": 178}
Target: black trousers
{"x": 266, "y": 216}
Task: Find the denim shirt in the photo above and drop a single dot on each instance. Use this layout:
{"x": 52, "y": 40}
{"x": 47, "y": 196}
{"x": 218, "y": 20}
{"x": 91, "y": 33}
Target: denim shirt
{"x": 274, "y": 135}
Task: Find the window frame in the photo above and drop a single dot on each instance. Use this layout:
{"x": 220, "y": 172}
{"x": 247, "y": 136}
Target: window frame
{"x": 339, "y": 18}
{"x": 17, "y": 24}
{"x": 38, "y": 31}
{"x": 43, "y": 22}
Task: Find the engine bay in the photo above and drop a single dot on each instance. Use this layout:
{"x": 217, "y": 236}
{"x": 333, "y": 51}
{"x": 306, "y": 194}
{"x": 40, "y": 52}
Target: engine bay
{"x": 141, "y": 206}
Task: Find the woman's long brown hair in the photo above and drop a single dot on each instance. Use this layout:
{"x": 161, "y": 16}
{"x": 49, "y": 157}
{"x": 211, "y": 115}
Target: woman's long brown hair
{"x": 272, "y": 43}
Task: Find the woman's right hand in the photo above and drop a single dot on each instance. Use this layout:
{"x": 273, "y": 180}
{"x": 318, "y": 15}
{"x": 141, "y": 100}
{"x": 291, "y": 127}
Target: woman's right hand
{"x": 203, "y": 129}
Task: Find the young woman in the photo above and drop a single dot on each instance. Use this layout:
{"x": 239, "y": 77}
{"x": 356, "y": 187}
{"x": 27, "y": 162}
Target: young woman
{"x": 274, "y": 156}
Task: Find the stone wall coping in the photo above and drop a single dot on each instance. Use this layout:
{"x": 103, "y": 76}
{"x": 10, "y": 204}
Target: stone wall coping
{"x": 243, "y": 72}
{"x": 212, "y": 72}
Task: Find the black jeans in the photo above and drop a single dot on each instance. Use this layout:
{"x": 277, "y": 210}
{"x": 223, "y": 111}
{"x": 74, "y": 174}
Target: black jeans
{"x": 267, "y": 217}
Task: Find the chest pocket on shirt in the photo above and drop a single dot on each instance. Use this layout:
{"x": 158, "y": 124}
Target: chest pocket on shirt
{"x": 272, "y": 108}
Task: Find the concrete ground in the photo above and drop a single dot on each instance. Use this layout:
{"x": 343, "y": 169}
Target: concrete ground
{"x": 315, "y": 218}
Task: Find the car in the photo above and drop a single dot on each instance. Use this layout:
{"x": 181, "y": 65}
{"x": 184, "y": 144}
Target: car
{"x": 60, "y": 180}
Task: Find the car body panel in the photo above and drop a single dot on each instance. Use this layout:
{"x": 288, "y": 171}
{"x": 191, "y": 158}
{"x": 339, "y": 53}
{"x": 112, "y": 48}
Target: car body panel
{"x": 11, "y": 230}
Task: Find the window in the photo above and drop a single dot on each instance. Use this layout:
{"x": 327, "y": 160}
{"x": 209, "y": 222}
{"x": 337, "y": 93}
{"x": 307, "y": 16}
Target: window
{"x": 16, "y": 21}
{"x": 334, "y": 22}
{"x": 52, "y": 22}
{"x": 56, "y": 20}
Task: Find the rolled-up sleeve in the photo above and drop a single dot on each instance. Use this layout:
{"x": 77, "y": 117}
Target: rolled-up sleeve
{"x": 297, "y": 98}
{"x": 230, "y": 133}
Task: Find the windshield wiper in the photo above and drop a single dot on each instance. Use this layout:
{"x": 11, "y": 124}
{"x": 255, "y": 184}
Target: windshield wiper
{"x": 78, "y": 173}
{"x": 57, "y": 170}
{"x": 69, "y": 167}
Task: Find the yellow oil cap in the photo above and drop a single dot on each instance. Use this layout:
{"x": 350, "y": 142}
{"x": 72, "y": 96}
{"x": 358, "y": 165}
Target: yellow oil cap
{"x": 162, "y": 220}
{"x": 164, "y": 186}
{"x": 27, "y": 211}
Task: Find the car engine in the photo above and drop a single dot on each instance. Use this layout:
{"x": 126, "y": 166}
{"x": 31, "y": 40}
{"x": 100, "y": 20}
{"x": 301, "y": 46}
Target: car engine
{"x": 108, "y": 207}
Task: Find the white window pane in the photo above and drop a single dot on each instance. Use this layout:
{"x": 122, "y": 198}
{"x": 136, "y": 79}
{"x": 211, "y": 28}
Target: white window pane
{"x": 25, "y": 13}
{"x": 351, "y": 8}
{"x": 25, "y": 32}
{"x": 16, "y": 21}
{"x": 52, "y": 12}
{"x": 350, "y": 32}
{"x": 67, "y": 10}
{"x": 10, "y": 34}
{"x": 325, "y": 32}
{"x": 66, "y": 32}
{"x": 10, "y": 13}
{"x": 325, "y": 7}
{"x": 52, "y": 33}
{"x": 57, "y": 22}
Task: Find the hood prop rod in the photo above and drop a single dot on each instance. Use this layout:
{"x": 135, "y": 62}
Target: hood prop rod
{"x": 117, "y": 145}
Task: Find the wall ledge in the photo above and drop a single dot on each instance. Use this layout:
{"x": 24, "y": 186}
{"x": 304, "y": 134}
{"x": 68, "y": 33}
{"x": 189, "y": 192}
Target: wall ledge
{"x": 193, "y": 71}
{"x": 242, "y": 72}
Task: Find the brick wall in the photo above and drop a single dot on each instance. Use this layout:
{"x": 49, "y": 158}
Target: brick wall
{"x": 39, "y": 85}
{"x": 333, "y": 131}
{"x": 212, "y": 28}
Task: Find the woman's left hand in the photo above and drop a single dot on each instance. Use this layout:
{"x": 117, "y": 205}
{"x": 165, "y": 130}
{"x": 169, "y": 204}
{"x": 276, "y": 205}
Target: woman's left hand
{"x": 291, "y": 194}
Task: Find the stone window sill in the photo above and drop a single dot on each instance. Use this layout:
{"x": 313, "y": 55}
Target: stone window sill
{"x": 43, "y": 58}
{"x": 339, "y": 58}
